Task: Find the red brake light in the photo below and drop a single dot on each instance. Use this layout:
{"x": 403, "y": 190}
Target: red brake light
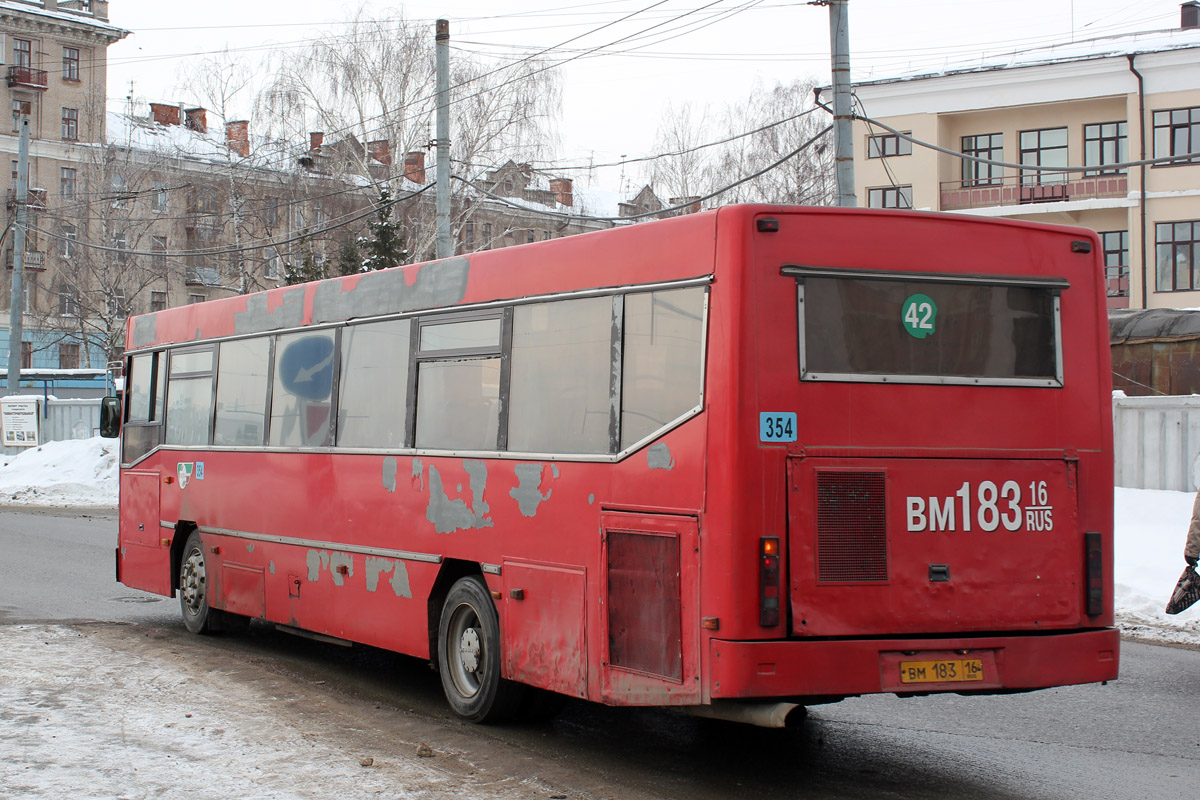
{"x": 768, "y": 574}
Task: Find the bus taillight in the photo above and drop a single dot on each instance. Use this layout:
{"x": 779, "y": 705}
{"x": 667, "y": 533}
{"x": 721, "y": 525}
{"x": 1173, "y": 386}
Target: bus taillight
{"x": 768, "y": 571}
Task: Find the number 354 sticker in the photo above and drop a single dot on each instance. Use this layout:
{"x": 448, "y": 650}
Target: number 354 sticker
{"x": 777, "y": 426}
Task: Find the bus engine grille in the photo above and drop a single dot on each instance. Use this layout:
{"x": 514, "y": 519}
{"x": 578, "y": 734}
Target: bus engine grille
{"x": 851, "y": 527}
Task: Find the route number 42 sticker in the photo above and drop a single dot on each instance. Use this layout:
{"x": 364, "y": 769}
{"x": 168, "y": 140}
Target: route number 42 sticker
{"x": 777, "y": 426}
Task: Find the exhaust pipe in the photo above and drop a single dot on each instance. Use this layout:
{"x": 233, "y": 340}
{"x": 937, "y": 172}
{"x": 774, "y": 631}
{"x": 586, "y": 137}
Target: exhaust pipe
{"x": 764, "y": 715}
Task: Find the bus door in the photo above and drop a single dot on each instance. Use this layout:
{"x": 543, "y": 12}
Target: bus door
{"x": 933, "y": 545}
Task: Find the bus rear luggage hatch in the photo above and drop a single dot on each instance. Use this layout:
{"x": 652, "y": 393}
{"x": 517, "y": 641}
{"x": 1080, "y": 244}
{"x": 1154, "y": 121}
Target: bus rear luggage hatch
{"x": 928, "y": 546}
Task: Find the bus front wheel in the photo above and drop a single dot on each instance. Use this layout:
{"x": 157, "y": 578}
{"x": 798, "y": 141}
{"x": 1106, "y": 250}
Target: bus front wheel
{"x": 469, "y": 656}
{"x": 198, "y": 617}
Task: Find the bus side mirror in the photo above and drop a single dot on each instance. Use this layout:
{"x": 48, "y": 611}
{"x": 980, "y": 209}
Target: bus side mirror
{"x": 110, "y": 417}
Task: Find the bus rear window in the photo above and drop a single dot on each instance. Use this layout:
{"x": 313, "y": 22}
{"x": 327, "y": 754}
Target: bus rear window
{"x": 921, "y": 328}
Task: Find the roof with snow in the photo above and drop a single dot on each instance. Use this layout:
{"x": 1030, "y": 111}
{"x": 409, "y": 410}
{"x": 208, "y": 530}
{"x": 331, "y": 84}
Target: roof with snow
{"x": 180, "y": 141}
{"x": 78, "y": 17}
{"x": 1117, "y": 46}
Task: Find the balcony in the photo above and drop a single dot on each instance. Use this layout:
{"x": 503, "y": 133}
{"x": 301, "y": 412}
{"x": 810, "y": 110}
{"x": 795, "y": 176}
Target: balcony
{"x": 33, "y": 259}
{"x": 37, "y": 199}
{"x": 1010, "y": 191}
{"x": 202, "y": 276}
{"x": 27, "y": 78}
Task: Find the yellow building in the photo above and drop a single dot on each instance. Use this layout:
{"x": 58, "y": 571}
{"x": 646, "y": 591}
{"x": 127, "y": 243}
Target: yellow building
{"x": 1093, "y": 104}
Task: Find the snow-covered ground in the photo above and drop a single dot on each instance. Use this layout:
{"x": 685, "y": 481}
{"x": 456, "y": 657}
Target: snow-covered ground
{"x": 1150, "y": 527}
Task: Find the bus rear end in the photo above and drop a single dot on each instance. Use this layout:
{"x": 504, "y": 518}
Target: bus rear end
{"x": 919, "y": 489}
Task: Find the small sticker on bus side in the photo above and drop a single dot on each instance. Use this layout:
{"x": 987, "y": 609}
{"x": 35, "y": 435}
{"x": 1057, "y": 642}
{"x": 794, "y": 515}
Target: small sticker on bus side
{"x": 777, "y": 426}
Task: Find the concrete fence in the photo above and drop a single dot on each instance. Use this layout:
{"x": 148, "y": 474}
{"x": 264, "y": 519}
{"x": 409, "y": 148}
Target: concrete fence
{"x": 1157, "y": 442}
{"x": 64, "y": 419}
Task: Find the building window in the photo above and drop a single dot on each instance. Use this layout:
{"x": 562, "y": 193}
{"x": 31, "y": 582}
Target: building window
{"x": 1116, "y": 262}
{"x": 68, "y": 240}
{"x": 26, "y": 355}
{"x": 117, "y": 303}
{"x": 1104, "y": 143}
{"x": 67, "y": 182}
{"x": 68, "y": 303}
{"x": 158, "y": 301}
{"x": 271, "y": 263}
{"x": 68, "y": 356}
{"x": 22, "y": 53}
{"x": 529, "y": 236}
{"x": 70, "y": 124}
{"x": 271, "y": 212}
{"x": 195, "y": 298}
{"x": 1043, "y": 148}
{"x": 158, "y": 244}
{"x": 984, "y": 145}
{"x": 120, "y": 242}
{"x": 1176, "y": 250}
{"x": 487, "y": 236}
{"x": 159, "y": 203}
{"x": 21, "y": 108}
{"x": 70, "y": 63}
{"x": 886, "y": 145}
{"x": 890, "y": 197}
{"x": 469, "y": 236}
{"x": 1177, "y": 133}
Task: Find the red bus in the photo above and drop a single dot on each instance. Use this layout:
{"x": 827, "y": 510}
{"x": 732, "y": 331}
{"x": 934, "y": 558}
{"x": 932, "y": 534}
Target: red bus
{"x": 736, "y": 461}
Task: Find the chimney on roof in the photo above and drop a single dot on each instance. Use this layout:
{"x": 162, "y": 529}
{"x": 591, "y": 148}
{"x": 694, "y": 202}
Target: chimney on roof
{"x": 1189, "y": 15}
{"x": 414, "y": 166}
{"x": 315, "y": 140}
{"x": 237, "y": 136}
{"x": 380, "y": 150}
{"x": 164, "y": 114}
{"x": 196, "y": 119}
{"x": 563, "y": 189}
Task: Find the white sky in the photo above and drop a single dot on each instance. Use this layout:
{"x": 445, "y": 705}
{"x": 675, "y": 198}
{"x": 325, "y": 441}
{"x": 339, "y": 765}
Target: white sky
{"x": 612, "y": 102}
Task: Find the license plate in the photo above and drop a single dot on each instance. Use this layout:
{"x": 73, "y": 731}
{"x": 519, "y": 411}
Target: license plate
{"x": 941, "y": 671}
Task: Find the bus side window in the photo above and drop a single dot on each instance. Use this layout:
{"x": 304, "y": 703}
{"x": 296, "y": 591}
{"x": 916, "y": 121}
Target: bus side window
{"x": 302, "y": 389}
{"x": 561, "y": 369}
{"x": 145, "y": 388}
{"x": 190, "y": 397}
{"x": 372, "y": 409}
{"x": 242, "y": 392}
{"x": 662, "y": 369}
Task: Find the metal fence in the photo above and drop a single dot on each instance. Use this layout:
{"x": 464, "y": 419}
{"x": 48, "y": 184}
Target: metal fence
{"x": 1157, "y": 442}
{"x": 65, "y": 419}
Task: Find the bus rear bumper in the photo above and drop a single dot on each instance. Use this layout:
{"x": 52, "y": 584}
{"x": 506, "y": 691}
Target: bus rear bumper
{"x": 775, "y": 669}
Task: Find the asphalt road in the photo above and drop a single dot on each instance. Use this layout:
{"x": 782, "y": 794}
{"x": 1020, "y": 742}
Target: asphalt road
{"x": 1138, "y": 737}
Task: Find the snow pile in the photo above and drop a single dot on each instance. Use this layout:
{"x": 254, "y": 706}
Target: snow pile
{"x": 81, "y": 472}
{"x": 1150, "y": 527}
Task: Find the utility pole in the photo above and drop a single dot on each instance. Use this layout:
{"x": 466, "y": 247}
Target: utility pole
{"x": 443, "y": 248}
{"x": 18, "y": 290}
{"x": 843, "y": 126}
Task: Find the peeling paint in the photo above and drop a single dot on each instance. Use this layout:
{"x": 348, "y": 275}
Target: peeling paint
{"x": 399, "y": 580}
{"x": 591, "y": 499}
{"x": 418, "y": 474}
{"x": 454, "y": 515}
{"x": 316, "y": 559}
{"x": 528, "y": 493}
{"x": 337, "y": 560}
{"x": 554, "y": 471}
{"x": 658, "y": 456}
{"x": 250, "y": 548}
{"x": 389, "y": 473}
{"x": 271, "y": 567}
{"x": 258, "y": 318}
{"x": 438, "y": 283}
{"x": 145, "y": 331}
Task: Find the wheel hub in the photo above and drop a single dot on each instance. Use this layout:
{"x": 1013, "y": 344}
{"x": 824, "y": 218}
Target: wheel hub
{"x": 468, "y": 649}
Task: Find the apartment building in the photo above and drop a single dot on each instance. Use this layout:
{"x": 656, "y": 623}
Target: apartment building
{"x": 1092, "y": 104}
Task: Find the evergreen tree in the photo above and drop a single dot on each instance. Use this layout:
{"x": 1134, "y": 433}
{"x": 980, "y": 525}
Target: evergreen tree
{"x": 307, "y": 270}
{"x": 349, "y": 260}
{"x": 383, "y": 247}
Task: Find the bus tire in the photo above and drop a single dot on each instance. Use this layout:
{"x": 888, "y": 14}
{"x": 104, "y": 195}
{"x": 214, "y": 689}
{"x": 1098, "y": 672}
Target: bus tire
{"x": 469, "y": 656}
{"x": 198, "y": 617}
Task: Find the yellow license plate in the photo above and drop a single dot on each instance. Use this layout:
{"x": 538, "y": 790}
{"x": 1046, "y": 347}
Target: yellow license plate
{"x": 941, "y": 671}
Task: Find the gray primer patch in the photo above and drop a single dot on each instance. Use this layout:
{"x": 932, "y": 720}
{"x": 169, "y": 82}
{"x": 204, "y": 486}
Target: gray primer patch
{"x": 449, "y": 515}
{"x": 256, "y": 318}
{"x": 341, "y": 560}
{"x": 418, "y": 474}
{"x": 399, "y": 581}
{"x": 145, "y": 331}
{"x": 438, "y": 283}
{"x": 316, "y": 560}
{"x": 389, "y": 473}
{"x": 250, "y": 547}
{"x": 528, "y": 493}
{"x": 271, "y": 567}
{"x": 658, "y": 456}
{"x": 554, "y": 471}
{"x": 591, "y": 499}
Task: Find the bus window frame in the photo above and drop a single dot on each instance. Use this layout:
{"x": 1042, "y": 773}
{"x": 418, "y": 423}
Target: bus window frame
{"x": 1054, "y": 285}
{"x": 497, "y": 308}
{"x": 214, "y": 348}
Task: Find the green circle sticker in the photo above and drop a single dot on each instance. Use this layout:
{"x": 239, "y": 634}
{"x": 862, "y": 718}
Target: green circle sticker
{"x": 919, "y": 315}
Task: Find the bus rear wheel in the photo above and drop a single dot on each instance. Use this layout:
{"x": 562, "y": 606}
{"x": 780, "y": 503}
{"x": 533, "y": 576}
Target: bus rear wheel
{"x": 469, "y": 656}
{"x": 198, "y": 617}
